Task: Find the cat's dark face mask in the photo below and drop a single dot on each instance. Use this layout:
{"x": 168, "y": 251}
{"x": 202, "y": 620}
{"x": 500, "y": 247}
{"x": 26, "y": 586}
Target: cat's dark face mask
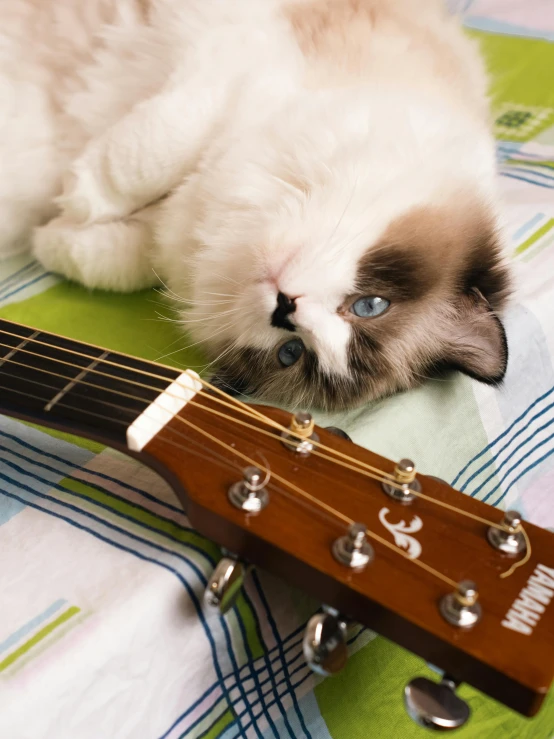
{"x": 425, "y": 301}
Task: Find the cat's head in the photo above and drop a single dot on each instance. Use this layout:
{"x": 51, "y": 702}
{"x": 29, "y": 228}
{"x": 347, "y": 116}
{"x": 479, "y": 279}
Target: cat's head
{"x": 331, "y": 279}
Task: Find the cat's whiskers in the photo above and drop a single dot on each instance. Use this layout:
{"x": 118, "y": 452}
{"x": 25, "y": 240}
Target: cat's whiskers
{"x": 226, "y": 351}
{"x": 201, "y": 341}
{"x": 207, "y": 317}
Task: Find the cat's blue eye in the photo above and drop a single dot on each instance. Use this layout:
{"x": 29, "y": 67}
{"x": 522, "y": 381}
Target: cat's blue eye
{"x": 370, "y": 307}
{"x": 291, "y": 352}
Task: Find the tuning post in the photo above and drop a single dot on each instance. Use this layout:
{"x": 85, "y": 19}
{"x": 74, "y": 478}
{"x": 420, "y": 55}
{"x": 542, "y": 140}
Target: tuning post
{"x": 324, "y": 643}
{"x": 461, "y": 608}
{"x": 509, "y": 539}
{"x": 435, "y": 705}
{"x": 301, "y": 434}
{"x": 405, "y": 484}
{"x": 353, "y": 549}
{"x": 225, "y": 583}
{"x": 250, "y": 494}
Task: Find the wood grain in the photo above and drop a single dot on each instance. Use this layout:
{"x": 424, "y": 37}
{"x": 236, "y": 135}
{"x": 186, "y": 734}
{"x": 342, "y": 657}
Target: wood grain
{"x": 392, "y": 595}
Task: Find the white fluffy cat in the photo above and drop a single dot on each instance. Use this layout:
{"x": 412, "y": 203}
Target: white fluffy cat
{"x": 316, "y": 178}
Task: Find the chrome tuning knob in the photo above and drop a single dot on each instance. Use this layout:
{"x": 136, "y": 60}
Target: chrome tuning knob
{"x": 224, "y": 585}
{"x": 324, "y": 642}
{"x": 301, "y": 435}
{"x": 404, "y": 485}
{"x": 338, "y": 432}
{"x": 435, "y": 705}
{"x": 509, "y": 539}
{"x": 462, "y": 607}
{"x": 250, "y": 494}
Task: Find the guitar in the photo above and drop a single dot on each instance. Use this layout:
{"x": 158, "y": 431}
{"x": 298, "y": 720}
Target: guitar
{"x": 465, "y": 586}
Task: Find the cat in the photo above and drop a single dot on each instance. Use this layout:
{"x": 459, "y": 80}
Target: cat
{"x": 313, "y": 181}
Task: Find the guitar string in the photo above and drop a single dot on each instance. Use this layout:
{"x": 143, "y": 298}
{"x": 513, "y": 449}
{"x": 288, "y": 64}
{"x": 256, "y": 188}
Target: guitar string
{"x": 258, "y": 416}
{"x": 328, "y": 509}
{"x": 249, "y": 410}
{"x": 443, "y": 504}
{"x": 379, "y": 475}
{"x": 249, "y": 426}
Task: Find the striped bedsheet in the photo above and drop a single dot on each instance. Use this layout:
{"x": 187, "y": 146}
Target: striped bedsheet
{"x": 102, "y": 630}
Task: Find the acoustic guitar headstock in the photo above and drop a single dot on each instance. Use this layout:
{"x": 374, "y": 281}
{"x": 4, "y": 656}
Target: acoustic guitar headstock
{"x": 466, "y": 587}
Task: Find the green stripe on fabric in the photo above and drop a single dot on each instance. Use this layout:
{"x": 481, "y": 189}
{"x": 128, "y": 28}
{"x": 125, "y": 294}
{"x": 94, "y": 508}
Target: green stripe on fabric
{"x": 92, "y": 446}
{"x": 38, "y": 637}
{"x": 140, "y": 515}
{"x": 530, "y": 163}
{"x": 249, "y": 618}
{"x": 538, "y": 234}
{"x": 545, "y": 244}
{"x": 219, "y": 727}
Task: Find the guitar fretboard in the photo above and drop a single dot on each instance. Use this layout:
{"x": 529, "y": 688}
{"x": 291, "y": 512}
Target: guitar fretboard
{"x": 80, "y": 388}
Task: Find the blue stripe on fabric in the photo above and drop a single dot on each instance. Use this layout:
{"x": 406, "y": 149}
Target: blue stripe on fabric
{"x": 523, "y": 473}
{"x": 522, "y": 230}
{"x": 497, "y": 454}
{"x": 514, "y": 467}
{"x": 216, "y": 716}
{"x": 525, "y": 179}
{"x": 105, "y": 539}
{"x": 100, "y": 475}
{"x": 527, "y": 170}
{"x": 9, "y": 509}
{"x": 154, "y": 546}
{"x": 275, "y": 631}
{"x": 50, "y": 483}
{"x": 5, "y": 283}
{"x": 501, "y": 436}
{"x": 25, "y": 286}
{"x": 275, "y": 649}
{"x": 290, "y": 661}
{"x": 77, "y": 495}
{"x": 253, "y": 673}
{"x": 189, "y": 710}
{"x": 103, "y": 506}
{"x": 190, "y": 592}
{"x": 490, "y": 25}
{"x": 507, "y": 460}
{"x": 292, "y": 689}
{"x": 30, "y": 625}
{"x": 16, "y": 273}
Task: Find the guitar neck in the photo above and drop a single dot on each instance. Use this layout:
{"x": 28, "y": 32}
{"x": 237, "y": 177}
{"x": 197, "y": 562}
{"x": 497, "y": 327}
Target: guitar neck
{"x": 75, "y": 387}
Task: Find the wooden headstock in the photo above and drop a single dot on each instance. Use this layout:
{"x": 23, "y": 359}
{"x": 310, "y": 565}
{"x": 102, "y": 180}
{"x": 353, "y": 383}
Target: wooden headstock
{"x": 508, "y": 653}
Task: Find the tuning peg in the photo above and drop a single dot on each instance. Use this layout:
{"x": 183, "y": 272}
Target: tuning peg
{"x": 324, "y": 642}
{"x": 510, "y": 539}
{"x": 338, "y": 432}
{"x": 405, "y": 482}
{"x": 435, "y": 705}
{"x": 225, "y": 583}
{"x": 462, "y": 607}
{"x": 250, "y": 494}
{"x": 303, "y": 435}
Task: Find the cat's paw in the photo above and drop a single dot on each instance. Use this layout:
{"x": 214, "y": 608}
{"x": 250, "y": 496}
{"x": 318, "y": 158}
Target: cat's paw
{"x": 111, "y": 256}
{"x": 87, "y": 196}
{"x": 53, "y": 248}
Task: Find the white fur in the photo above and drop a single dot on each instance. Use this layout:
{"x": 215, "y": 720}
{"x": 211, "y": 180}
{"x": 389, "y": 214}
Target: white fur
{"x": 278, "y": 177}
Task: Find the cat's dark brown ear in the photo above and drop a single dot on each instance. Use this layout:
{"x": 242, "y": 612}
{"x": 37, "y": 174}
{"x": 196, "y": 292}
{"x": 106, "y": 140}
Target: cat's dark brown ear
{"x": 477, "y": 344}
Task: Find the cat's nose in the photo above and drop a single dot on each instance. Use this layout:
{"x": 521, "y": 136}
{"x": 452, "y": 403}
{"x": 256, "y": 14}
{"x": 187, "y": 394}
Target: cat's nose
{"x": 285, "y": 306}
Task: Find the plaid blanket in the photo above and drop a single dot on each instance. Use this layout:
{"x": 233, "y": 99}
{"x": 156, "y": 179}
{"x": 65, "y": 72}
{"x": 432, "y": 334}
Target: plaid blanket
{"x": 102, "y": 629}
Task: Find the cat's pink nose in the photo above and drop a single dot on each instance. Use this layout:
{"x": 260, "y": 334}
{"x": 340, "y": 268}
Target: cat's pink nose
{"x": 280, "y": 316}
